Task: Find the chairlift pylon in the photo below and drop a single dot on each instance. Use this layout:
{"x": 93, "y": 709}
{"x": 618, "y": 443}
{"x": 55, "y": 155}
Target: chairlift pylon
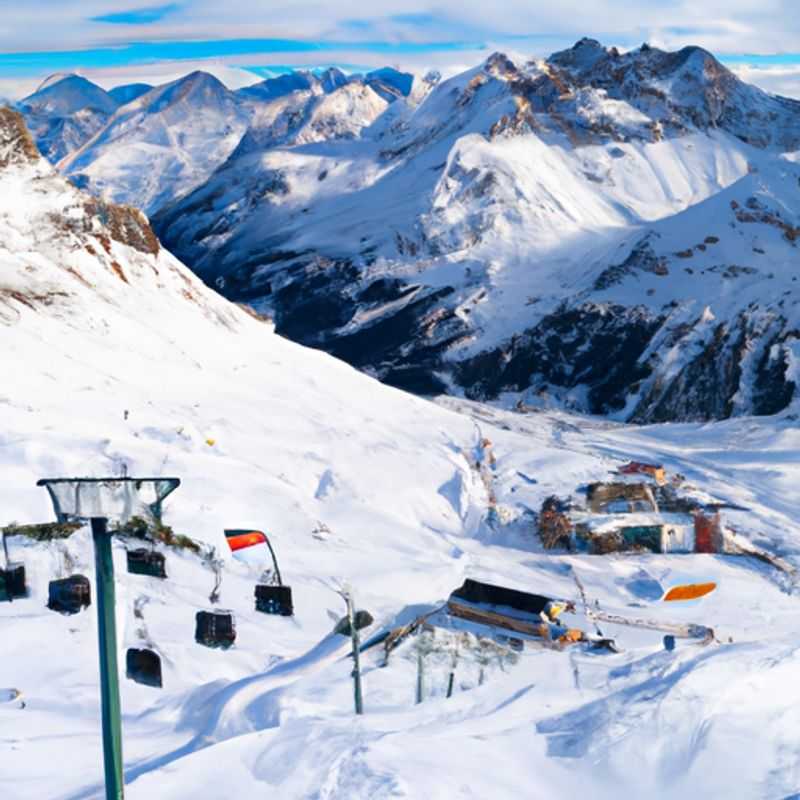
{"x": 99, "y": 500}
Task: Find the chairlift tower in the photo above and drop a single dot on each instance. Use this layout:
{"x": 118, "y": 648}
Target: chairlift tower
{"x": 99, "y": 500}
{"x": 346, "y": 593}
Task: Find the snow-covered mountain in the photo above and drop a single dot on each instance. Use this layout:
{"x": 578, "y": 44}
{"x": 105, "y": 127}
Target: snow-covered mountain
{"x": 115, "y": 354}
{"x": 66, "y": 111}
{"x": 165, "y": 142}
{"x": 295, "y": 81}
{"x": 62, "y": 95}
{"x": 459, "y": 240}
{"x": 162, "y": 144}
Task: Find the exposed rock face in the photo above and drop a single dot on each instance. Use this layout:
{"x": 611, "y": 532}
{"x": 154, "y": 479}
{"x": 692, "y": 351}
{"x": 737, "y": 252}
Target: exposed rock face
{"x": 66, "y": 253}
{"x": 594, "y": 346}
{"x": 744, "y": 367}
{"x": 679, "y": 90}
{"x": 16, "y": 143}
{"x": 124, "y": 224}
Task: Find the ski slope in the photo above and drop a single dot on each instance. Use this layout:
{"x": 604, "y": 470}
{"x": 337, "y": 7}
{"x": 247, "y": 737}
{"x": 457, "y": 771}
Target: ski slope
{"x": 115, "y": 354}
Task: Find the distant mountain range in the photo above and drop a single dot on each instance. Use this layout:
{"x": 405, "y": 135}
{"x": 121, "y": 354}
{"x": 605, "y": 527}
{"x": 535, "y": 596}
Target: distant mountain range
{"x": 610, "y": 232}
{"x": 146, "y": 145}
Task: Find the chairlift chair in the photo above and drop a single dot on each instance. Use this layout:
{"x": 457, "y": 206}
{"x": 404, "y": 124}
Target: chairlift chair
{"x": 215, "y": 628}
{"x": 271, "y": 598}
{"x": 12, "y": 576}
{"x": 69, "y": 595}
{"x": 147, "y": 562}
{"x": 274, "y": 599}
{"x": 143, "y": 666}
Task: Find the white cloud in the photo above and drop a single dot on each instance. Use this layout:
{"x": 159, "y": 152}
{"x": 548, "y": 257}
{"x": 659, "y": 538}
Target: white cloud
{"x": 722, "y": 25}
{"x": 527, "y": 26}
{"x": 777, "y": 80}
{"x": 164, "y": 72}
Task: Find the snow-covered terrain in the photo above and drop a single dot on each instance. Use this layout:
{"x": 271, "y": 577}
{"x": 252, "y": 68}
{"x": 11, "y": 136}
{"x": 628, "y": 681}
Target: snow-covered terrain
{"x": 116, "y": 354}
{"x": 129, "y": 91}
{"x": 449, "y": 241}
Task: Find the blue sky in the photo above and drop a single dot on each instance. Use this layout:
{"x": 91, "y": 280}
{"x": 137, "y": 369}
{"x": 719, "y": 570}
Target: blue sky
{"x": 27, "y": 63}
{"x": 138, "y": 16}
{"x": 132, "y": 37}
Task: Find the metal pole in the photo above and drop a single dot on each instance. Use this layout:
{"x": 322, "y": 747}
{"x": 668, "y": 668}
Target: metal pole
{"x": 452, "y": 678}
{"x": 420, "y": 673}
{"x": 274, "y": 562}
{"x": 6, "y": 592}
{"x": 356, "y": 655}
{"x": 109, "y": 675}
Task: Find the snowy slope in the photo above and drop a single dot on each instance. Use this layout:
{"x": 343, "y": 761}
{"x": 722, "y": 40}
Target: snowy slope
{"x": 305, "y": 117}
{"x": 461, "y": 226}
{"x": 162, "y": 144}
{"x": 119, "y": 355}
{"x": 697, "y": 315}
{"x": 129, "y": 91}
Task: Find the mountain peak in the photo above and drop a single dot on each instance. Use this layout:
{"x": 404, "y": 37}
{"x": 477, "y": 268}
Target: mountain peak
{"x": 197, "y": 87}
{"x": 499, "y": 64}
{"x": 199, "y": 81}
{"x": 52, "y": 80}
{"x": 332, "y": 78}
{"x": 583, "y": 55}
{"x": 63, "y": 95}
{"x": 16, "y": 143}
{"x": 280, "y": 85}
{"x": 200, "y": 77}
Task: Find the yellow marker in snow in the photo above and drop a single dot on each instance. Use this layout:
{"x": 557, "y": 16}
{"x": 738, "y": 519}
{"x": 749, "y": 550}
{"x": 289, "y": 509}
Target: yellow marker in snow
{"x": 211, "y": 442}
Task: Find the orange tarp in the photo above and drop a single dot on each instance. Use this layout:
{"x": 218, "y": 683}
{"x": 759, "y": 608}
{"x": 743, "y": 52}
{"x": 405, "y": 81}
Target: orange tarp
{"x": 690, "y": 591}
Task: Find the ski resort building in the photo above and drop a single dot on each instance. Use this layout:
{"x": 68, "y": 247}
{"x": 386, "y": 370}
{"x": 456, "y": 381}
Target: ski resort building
{"x": 630, "y": 514}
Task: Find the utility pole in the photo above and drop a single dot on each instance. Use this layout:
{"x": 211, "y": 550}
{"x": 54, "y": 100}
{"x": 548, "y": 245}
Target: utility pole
{"x": 452, "y": 677}
{"x": 420, "y": 675}
{"x": 109, "y": 673}
{"x": 351, "y": 618}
